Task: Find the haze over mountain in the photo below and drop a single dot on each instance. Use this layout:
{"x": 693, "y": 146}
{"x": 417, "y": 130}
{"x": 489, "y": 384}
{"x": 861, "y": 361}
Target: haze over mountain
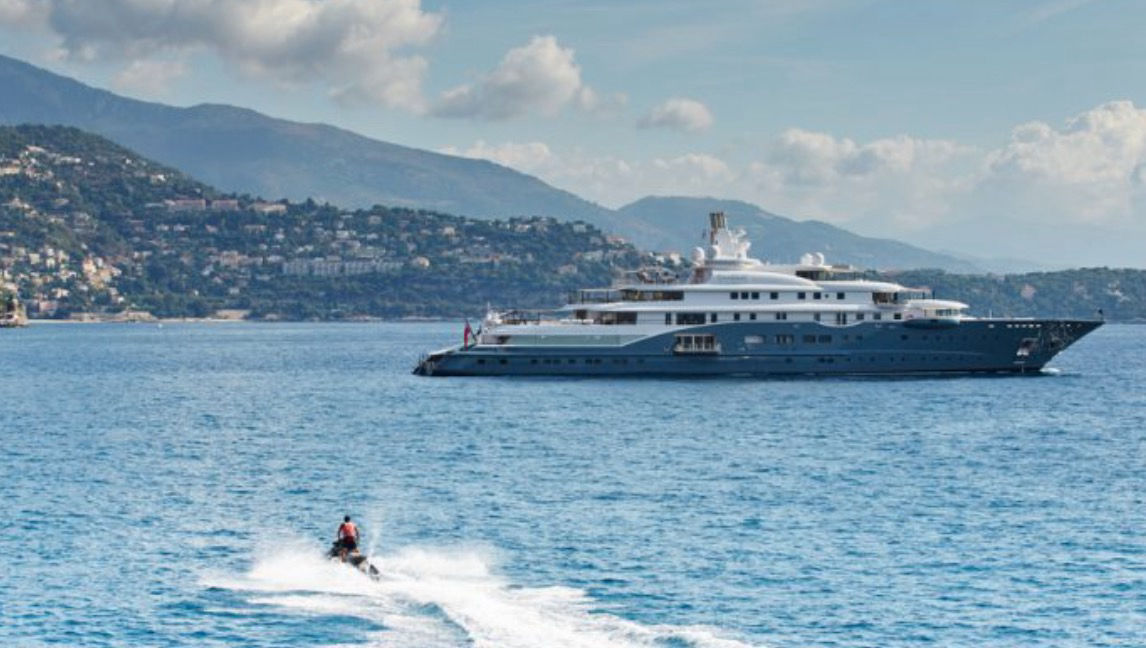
{"x": 672, "y": 222}
{"x": 244, "y": 151}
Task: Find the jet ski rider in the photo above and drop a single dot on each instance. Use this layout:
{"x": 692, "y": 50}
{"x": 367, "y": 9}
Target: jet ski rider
{"x": 347, "y": 538}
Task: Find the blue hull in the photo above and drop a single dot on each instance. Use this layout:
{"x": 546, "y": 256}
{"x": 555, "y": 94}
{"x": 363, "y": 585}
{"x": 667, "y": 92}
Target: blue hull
{"x": 978, "y": 346}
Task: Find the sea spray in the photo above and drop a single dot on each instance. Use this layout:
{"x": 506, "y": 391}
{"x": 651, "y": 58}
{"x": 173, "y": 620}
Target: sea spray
{"x": 448, "y": 596}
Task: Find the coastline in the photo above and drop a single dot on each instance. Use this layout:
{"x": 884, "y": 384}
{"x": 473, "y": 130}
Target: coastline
{"x": 219, "y": 320}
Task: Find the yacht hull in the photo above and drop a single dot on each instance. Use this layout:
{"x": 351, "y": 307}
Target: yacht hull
{"x": 772, "y": 349}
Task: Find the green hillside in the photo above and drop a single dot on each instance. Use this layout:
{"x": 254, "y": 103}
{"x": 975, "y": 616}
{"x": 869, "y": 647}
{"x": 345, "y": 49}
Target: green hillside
{"x": 1120, "y": 293}
{"x": 86, "y": 225}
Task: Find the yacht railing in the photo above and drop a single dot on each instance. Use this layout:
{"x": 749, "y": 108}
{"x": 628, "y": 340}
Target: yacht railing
{"x": 520, "y": 317}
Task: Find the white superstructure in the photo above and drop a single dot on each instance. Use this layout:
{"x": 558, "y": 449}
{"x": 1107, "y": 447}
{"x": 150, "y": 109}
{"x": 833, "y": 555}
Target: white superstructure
{"x": 725, "y": 285}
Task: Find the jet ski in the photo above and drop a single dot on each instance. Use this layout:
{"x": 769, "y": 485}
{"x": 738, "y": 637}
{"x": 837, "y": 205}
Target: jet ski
{"x": 354, "y": 559}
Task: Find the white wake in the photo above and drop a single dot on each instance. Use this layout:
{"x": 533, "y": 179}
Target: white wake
{"x": 449, "y": 597}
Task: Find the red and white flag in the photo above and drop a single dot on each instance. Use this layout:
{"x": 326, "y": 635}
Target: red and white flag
{"x": 467, "y": 334}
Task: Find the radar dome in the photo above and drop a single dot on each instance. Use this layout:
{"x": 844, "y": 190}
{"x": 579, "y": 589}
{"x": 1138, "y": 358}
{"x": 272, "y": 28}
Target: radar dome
{"x": 698, "y": 255}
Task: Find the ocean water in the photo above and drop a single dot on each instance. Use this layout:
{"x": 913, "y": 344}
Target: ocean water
{"x": 177, "y": 485}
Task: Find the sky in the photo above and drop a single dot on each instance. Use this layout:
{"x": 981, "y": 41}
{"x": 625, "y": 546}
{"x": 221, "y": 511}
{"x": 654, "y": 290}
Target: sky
{"x": 988, "y": 128}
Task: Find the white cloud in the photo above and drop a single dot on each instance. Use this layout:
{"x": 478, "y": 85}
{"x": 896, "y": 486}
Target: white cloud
{"x": 149, "y": 77}
{"x": 1093, "y": 170}
{"x": 590, "y": 101}
{"x": 1070, "y": 194}
{"x": 679, "y": 113}
{"x": 807, "y": 157}
{"x": 900, "y": 182}
{"x": 528, "y": 157}
{"x": 1074, "y": 194}
{"x": 540, "y": 76}
{"x": 20, "y": 11}
{"x": 350, "y": 46}
{"x": 695, "y": 168}
{"x": 605, "y": 178}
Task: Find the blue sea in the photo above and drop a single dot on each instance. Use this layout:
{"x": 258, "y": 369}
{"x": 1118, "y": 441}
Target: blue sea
{"x": 177, "y": 485}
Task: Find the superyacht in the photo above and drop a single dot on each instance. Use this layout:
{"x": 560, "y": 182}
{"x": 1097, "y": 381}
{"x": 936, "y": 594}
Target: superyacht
{"x": 735, "y": 315}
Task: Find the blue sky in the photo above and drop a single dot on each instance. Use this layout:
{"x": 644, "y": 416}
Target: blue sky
{"x": 985, "y": 127}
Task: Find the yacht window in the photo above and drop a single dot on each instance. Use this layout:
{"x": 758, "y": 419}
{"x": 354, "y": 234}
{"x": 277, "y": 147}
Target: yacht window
{"x": 744, "y": 295}
{"x": 630, "y": 294}
{"x": 809, "y": 339}
{"x": 816, "y": 316}
{"x": 733, "y": 295}
{"x": 883, "y": 298}
{"x": 815, "y": 295}
{"x": 689, "y": 318}
{"x": 752, "y": 316}
{"x": 668, "y": 319}
{"x": 781, "y": 316}
{"x": 694, "y": 343}
{"x": 825, "y": 339}
{"x": 712, "y": 318}
{"x": 755, "y": 295}
{"x": 859, "y": 317}
{"x": 877, "y": 316}
{"x": 774, "y": 295}
{"x": 751, "y": 340}
{"x": 785, "y": 338}
{"x": 736, "y": 317}
{"x": 899, "y": 316}
{"x": 801, "y": 295}
{"x": 839, "y": 295}
{"x": 616, "y": 318}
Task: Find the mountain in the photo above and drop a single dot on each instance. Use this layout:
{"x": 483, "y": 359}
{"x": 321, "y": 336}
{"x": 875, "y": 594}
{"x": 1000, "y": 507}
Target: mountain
{"x": 675, "y": 223}
{"x": 243, "y": 151}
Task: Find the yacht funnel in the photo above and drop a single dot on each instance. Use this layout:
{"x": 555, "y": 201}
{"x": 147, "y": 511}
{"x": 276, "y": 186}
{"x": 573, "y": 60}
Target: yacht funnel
{"x": 716, "y": 223}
